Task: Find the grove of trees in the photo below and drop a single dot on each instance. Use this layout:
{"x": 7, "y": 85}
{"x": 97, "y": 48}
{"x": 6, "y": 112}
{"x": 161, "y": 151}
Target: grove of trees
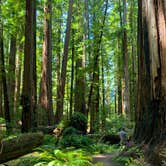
{"x": 97, "y": 57}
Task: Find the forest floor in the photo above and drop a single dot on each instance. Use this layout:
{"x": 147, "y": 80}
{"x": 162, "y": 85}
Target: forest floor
{"x": 106, "y": 159}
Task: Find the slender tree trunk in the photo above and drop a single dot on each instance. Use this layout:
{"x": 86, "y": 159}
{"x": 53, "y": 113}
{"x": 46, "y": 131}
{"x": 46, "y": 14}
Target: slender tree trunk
{"x": 59, "y": 50}
{"x": 11, "y": 81}
{"x": 46, "y": 78}
{"x": 72, "y": 75}
{"x": 61, "y": 87}
{"x": 18, "y": 74}
{"x": 126, "y": 59}
{"x": 29, "y": 50}
{"x": 103, "y": 94}
{"x": 96, "y": 73}
{"x": 1, "y": 109}
{"x": 34, "y": 79}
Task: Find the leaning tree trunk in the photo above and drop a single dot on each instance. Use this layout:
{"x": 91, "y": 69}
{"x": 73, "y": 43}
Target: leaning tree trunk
{"x": 151, "y": 104}
{"x": 61, "y": 86}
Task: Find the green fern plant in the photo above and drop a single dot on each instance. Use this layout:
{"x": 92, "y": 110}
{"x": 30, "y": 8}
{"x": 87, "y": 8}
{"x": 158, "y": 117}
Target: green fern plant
{"x": 65, "y": 158}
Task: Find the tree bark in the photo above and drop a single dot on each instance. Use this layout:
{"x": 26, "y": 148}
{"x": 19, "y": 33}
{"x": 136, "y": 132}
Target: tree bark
{"x": 151, "y": 107}
{"x": 45, "y": 100}
{"x": 96, "y": 74}
{"x": 11, "y": 81}
{"x": 72, "y": 75}
{"x": 27, "y": 92}
{"x": 3, "y": 75}
{"x": 126, "y": 59}
{"x": 61, "y": 87}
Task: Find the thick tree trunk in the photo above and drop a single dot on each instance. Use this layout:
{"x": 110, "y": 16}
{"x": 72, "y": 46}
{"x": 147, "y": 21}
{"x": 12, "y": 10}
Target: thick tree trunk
{"x": 80, "y": 64}
{"x": 3, "y": 76}
{"x": 45, "y": 100}
{"x": 28, "y": 75}
{"x": 151, "y": 106}
{"x": 61, "y": 87}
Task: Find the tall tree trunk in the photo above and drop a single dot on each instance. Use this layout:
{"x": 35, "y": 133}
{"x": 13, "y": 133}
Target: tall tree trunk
{"x": 3, "y": 75}
{"x": 59, "y": 52}
{"x": 126, "y": 59}
{"x": 103, "y": 115}
{"x": 72, "y": 75}
{"x": 27, "y": 91}
{"x": 151, "y": 104}
{"x": 11, "y": 81}
{"x": 46, "y": 78}
{"x": 96, "y": 73}
{"x": 80, "y": 64}
{"x": 17, "y": 90}
{"x": 1, "y": 109}
{"x": 61, "y": 87}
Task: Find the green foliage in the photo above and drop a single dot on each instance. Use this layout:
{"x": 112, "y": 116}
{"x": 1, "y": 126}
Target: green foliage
{"x": 163, "y": 156}
{"x": 118, "y": 121}
{"x": 2, "y": 120}
{"x": 79, "y": 122}
{"x": 64, "y": 158}
{"x": 131, "y": 157}
{"x": 70, "y": 131}
{"x": 104, "y": 148}
{"x": 75, "y": 140}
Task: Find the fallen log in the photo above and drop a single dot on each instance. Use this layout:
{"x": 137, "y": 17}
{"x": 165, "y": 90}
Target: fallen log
{"x": 110, "y": 139}
{"x": 45, "y": 129}
{"x": 18, "y": 146}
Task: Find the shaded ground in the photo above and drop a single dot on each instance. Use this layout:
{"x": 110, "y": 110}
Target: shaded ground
{"x": 106, "y": 159}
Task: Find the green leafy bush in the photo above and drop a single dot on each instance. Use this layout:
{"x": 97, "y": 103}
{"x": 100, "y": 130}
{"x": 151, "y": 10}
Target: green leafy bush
{"x": 79, "y": 121}
{"x": 77, "y": 141}
{"x": 65, "y": 158}
{"x": 70, "y": 131}
{"x": 2, "y": 120}
{"x": 104, "y": 148}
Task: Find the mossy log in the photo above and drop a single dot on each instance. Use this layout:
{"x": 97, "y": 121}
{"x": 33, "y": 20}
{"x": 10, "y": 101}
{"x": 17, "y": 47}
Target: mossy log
{"x": 18, "y": 146}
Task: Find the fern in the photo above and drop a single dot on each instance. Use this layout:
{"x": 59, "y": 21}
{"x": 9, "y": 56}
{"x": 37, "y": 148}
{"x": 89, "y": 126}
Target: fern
{"x": 64, "y": 158}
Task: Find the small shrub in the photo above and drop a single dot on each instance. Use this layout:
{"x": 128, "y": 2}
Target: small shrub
{"x": 79, "y": 121}
{"x": 70, "y": 131}
{"x": 104, "y": 148}
{"x": 77, "y": 141}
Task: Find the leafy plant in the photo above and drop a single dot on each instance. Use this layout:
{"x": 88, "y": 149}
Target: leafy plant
{"x": 2, "y": 120}
{"x": 77, "y": 141}
{"x": 104, "y": 148}
{"x": 70, "y": 131}
{"x": 65, "y": 158}
{"x": 79, "y": 122}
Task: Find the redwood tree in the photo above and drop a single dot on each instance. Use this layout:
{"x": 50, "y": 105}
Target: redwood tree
{"x": 46, "y": 78}
{"x": 151, "y": 104}
{"x": 61, "y": 86}
{"x": 28, "y": 75}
